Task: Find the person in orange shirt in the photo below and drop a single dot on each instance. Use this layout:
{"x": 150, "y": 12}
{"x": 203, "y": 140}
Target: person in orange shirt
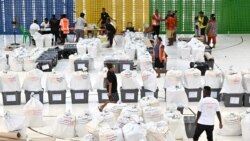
{"x": 156, "y": 21}
{"x": 170, "y": 24}
{"x": 64, "y": 26}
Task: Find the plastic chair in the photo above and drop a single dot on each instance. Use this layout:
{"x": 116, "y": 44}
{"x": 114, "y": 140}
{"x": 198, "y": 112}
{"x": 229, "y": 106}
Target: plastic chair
{"x": 25, "y": 33}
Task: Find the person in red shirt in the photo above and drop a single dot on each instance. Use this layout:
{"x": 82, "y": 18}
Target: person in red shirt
{"x": 170, "y": 24}
{"x": 64, "y": 26}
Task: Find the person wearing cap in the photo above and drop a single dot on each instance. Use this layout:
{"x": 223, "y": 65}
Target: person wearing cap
{"x": 203, "y": 22}
{"x": 79, "y": 26}
{"x": 212, "y": 30}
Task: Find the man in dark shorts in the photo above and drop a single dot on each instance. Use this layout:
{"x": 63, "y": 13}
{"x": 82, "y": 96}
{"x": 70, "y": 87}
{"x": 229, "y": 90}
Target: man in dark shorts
{"x": 111, "y": 86}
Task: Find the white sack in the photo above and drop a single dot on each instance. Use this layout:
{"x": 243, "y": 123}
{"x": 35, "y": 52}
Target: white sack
{"x": 152, "y": 114}
{"x": 16, "y": 63}
{"x": 33, "y": 110}
{"x": 14, "y": 122}
{"x": 232, "y": 83}
{"x": 10, "y": 82}
{"x": 115, "y": 108}
{"x": 56, "y": 82}
{"x": 149, "y": 79}
{"x": 125, "y": 119}
{"x": 132, "y": 110}
{"x": 231, "y": 125}
{"x": 88, "y": 137}
{"x": 29, "y": 64}
{"x": 111, "y": 134}
{"x": 129, "y": 80}
{"x": 213, "y": 79}
{"x": 177, "y": 96}
{"x": 3, "y": 63}
{"x": 33, "y": 80}
{"x": 81, "y": 122}
{"x": 134, "y": 132}
{"x": 245, "y": 125}
{"x": 148, "y": 101}
{"x": 80, "y": 81}
{"x": 246, "y": 83}
{"x": 173, "y": 78}
{"x": 192, "y": 78}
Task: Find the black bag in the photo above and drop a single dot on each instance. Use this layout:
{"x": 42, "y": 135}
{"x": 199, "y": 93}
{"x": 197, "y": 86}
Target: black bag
{"x": 202, "y": 66}
{"x": 130, "y": 27}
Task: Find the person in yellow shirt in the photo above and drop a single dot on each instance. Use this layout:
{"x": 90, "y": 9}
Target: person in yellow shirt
{"x": 203, "y": 22}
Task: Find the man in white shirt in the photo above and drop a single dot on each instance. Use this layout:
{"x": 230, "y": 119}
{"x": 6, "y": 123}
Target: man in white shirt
{"x": 79, "y": 27}
{"x": 34, "y": 27}
{"x": 208, "y": 107}
{"x": 45, "y": 23}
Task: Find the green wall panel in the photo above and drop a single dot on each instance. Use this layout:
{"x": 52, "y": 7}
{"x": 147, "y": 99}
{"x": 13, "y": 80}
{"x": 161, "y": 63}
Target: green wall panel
{"x": 232, "y": 15}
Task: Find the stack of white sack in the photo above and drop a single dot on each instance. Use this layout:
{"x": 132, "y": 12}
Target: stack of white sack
{"x": 64, "y": 126}
{"x": 246, "y": 80}
{"x": 80, "y": 81}
{"x": 102, "y": 120}
{"x": 3, "y": 63}
{"x": 131, "y": 110}
{"x": 33, "y": 80}
{"x": 173, "y": 78}
{"x": 213, "y": 79}
{"x": 129, "y": 118}
{"x": 148, "y": 101}
{"x": 232, "y": 83}
{"x": 176, "y": 125}
{"x": 134, "y": 132}
{"x": 159, "y": 131}
{"x": 152, "y": 114}
{"x": 231, "y": 125}
{"x": 145, "y": 61}
{"x": 33, "y": 110}
{"x": 56, "y": 82}
{"x": 245, "y": 125}
{"x": 197, "y": 50}
{"x": 149, "y": 78}
{"x": 114, "y": 134}
{"x": 129, "y": 80}
{"x": 15, "y": 123}
{"x": 192, "y": 78}
{"x": 115, "y": 108}
{"x": 81, "y": 122}
{"x": 99, "y": 79}
{"x": 117, "y": 56}
{"x": 184, "y": 51}
{"x": 10, "y": 82}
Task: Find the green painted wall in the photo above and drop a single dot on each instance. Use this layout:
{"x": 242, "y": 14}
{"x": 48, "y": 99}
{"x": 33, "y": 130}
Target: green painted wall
{"x": 233, "y": 16}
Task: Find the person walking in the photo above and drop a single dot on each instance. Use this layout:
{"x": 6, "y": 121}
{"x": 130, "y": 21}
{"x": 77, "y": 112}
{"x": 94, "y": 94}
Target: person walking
{"x": 212, "y": 30}
{"x": 64, "y": 25}
{"x": 79, "y": 26}
{"x": 170, "y": 25}
{"x": 159, "y": 56}
{"x": 207, "y": 108}
{"x": 110, "y": 30}
{"x": 111, "y": 87}
{"x": 156, "y": 21}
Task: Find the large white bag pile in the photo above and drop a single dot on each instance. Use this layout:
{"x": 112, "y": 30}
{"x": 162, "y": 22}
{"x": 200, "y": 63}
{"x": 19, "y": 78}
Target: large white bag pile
{"x": 158, "y": 131}
{"x": 125, "y": 119}
{"x": 129, "y": 80}
{"x": 131, "y": 110}
{"x": 99, "y": 79}
{"x": 246, "y": 80}
{"x": 115, "y": 108}
{"x": 148, "y": 101}
{"x": 213, "y": 79}
{"x": 10, "y": 82}
{"x": 81, "y": 46}
{"x": 80, "y": 81}
{"x": 111, "y": 134}
{"x": 33, "y": 80}
{"x": 64, "y": 126}
{"x": 119, "y": 55}
{"x": 103, "y": 120}
{"x": 152, "y": 114}
{"x": 173, "y": 78}
{"x": 176, "y": 125}
{"x": 231, "y": 125}
{"x": 149, "y": 78}
{"x": 72, "y": 58}
{"x": 232, "y": 83}
{"x": 130, "y": 51}
{"x": 56, "y": 82}
{"x": 81, "y": 122}
{"x": 245, "y": 126}
{"x": 33, "y": 110}
{"x": 192, "y": 78}
{"x": 134, "y": 132}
